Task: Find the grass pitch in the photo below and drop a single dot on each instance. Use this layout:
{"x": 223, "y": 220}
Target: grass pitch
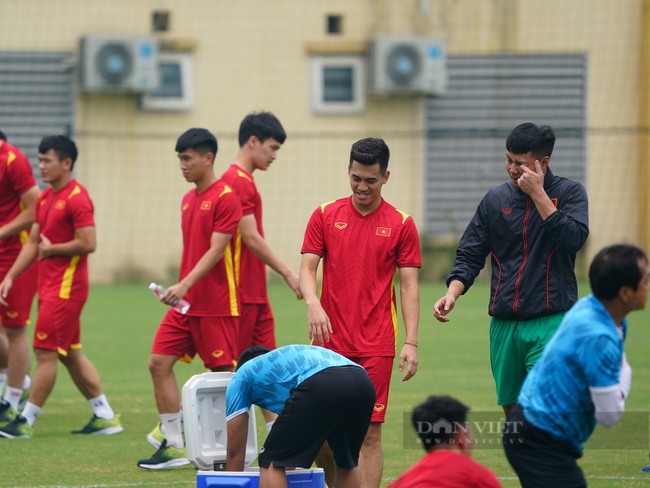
{"x": 118, "y": 326}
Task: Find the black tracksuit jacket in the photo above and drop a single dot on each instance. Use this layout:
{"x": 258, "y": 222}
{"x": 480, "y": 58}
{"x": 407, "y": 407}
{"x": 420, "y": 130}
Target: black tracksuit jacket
{"x": 532, "y": 260}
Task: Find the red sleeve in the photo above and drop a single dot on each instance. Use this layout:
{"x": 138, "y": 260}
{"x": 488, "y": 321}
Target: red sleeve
{"x": 227, "y": 213}
{"x": 81, "y": 210}
{"x": 486, "y": 478}
{"x": 37, "y": 210}
{"x": 314, "y": 242}
{"x": 20, "y": 172}
{"x": 246, "y": 191}
{"x": 408, "y": 252}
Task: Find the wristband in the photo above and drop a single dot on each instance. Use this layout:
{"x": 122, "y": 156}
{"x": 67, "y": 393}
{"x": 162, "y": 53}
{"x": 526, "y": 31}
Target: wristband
{"x": 411, "y": 343}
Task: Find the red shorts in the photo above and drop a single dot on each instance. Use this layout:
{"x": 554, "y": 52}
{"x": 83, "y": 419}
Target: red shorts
{"x": 256, "y": 326}
{"x": 57, "y": 325}
{"x": 213, "y": 338}
{"x": 379, "y": 369}
{"x": 19, "y": 298}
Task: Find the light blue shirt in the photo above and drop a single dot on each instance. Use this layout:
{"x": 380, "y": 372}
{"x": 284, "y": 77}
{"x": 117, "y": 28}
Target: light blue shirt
{"x": 586, "y": 351}
{"x": 267, "y": 380}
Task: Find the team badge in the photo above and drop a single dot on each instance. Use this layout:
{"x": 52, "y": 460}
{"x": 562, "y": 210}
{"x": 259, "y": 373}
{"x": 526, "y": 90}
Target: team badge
{"x": 206, "y": 205}
{"x": 42, "y": 202}
{"x": 379, "y": 407}
{"x": 185, "y": 205}
{"x": 41, "y": 336}
{"x": 217, "y": 354}
{"x": 506, "y": 211}
{"x": 59, "y": 205}
{"x": 340, "y": 225}
{"x": 383, "y": 231}
{"x": 554, "y": 201}
{"x": 12, "y": 314}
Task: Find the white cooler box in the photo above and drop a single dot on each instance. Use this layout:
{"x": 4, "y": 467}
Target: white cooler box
{"x": 204, "y": 414}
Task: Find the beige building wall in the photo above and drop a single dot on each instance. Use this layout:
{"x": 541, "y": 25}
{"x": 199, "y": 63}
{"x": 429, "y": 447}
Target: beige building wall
{"x": 251, "y": 55}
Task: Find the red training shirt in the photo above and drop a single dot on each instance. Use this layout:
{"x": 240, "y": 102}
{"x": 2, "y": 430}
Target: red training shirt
{"x": 16, "y": 178}
{"x": 216, "y": 209}
{"x": 446, "y": 469}
{"x": 360, "y": 254}
{"x": 59, "y": 214}
{"x": 250, "y": 272}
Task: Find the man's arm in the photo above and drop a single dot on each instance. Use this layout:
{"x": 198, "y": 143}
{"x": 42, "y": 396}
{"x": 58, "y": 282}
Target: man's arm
{"x": 319, "y": 323}
{"x": 609, "y": 401}
{"x": 446, "y": 304}
{"x": 25, "y": 218}
{"x": 410, "y": 300}
{"x": 257, "y": 244}
{"x": 237, "y": 428}
{"x": 85, "y": 242}
{"x": 25, "y": 258}
{"x": 218, "y": 244}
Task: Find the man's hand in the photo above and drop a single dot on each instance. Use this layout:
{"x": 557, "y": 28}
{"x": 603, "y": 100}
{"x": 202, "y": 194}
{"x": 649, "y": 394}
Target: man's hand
{"x": 45, "y": 248}
{"x": 409, "y": 355}
{"x": 5, "y": 286}
{"x": 292, "y": 280}
{"x": 443, "y": 307}
{"x": 174, "y": 294}
{"x": 531, "y": 182}
{"x": 320, "y": 327}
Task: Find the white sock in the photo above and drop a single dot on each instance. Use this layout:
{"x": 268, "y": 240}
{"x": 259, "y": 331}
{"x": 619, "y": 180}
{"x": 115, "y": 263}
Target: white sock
{"x": 30, "y": 412}
{"x": 12, "y": 395}
{"x": 269, "y": 425}
{"x": 101, "y": 407}
{"x": 3, "y": 379}
{"x": 170, "y": 424}
{"x": 27, "y": 382}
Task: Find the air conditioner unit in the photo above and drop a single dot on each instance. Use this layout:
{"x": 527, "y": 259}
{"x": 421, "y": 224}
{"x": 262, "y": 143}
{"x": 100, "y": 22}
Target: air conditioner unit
{"x": 407, "y": 66}
{"x": 116, "y": 63}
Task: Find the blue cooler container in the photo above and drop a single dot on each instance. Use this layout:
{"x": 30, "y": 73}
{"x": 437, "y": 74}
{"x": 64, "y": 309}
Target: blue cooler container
{"x": 250, "y": 478}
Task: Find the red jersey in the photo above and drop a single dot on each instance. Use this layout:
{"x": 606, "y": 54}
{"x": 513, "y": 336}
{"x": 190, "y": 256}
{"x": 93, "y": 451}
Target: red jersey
{"x": 446, "y": 469}
{"x": 16, "y": 178}
{"x": 250, "y": 272}
{"x": 360, "y": 255}
{"x": 59, "y": 214}
{"x": 216, "y": 209}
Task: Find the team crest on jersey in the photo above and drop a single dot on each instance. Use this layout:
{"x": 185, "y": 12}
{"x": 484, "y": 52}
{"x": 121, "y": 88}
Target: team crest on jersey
{"x": 383, "y": 231}
{"x": 12, "y": 314}
{"x": 206, "y": 205}
{"x": 42, "y": 202}
{"x": 59, "y": 205}
{"x": 506, "y": 211}
{"x": 185, "y": 205}
{"x": 554, "y": 201}
{"x": 217, "y": 354}
{"x": 41, "y": 336}
{"x": 379, "y": 407}
{"x": 340, "y": 225}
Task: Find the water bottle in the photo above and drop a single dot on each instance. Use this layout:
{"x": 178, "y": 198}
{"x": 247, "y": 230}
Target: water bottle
{"x": 182, "y": 306}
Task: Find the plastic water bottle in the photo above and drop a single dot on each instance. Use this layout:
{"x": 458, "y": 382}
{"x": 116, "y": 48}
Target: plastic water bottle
{"x": 182, "y": 306}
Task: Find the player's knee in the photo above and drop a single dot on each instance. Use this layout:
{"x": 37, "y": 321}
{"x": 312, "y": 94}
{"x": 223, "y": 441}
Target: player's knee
{"x": 15, "y": 333}
{"x": 159, "y": 364}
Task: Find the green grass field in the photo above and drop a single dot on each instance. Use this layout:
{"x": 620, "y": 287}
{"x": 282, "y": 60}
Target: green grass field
{"x": 119, "y": 323}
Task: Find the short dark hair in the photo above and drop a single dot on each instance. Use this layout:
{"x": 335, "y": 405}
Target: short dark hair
{"x": 263, "y": 125}
{"x": 370, "y": 151}
{"x": 528, "y": 137}
{"x": 63, "y": 146}
{"x": 251, "y": 353}
{"x": 3, "y": 136}
{"x": 434, "y": 409}
{"x": 615, "y": 267}
{"x": 201, "y": 140}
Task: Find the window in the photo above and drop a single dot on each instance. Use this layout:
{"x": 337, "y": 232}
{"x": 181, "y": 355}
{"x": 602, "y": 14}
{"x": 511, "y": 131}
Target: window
{"x": 175, "y": 92}
{"x": 338, "y": 84}
{"x": 334, "y": 24}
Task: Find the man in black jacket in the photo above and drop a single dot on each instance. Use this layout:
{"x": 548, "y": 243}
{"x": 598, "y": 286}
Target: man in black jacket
{"x": 532, "y": 227}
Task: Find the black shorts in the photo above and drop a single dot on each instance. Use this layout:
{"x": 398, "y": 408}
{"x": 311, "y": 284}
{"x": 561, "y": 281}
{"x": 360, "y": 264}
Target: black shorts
{"x": 539, "y": 459}
{"x": 334, "y": 405}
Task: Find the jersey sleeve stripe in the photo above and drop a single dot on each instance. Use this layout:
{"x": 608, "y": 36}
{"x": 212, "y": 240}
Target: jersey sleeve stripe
{"x": 10, "y": 157}
{"x": 74, "y": 192}
{"x": 236, "y": 414}
{"x": 232, "y": 286}
{"x": 68, "y": 276}
{"x": 226, "y": 189}
{"x": 243, "y": 175}
{"x": 404, "y": 215}
{"x": 322, "y": 207}
{"x": 393, "y": 311}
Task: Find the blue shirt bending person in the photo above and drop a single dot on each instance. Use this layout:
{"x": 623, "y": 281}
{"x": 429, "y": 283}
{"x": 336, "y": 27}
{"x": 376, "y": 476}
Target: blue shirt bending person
{"x": 582, "y": 377}
{"x": 319, "y": 396}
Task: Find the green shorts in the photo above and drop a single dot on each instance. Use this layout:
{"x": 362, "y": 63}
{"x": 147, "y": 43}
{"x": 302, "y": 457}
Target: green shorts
{"x": 515, "y": 347}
